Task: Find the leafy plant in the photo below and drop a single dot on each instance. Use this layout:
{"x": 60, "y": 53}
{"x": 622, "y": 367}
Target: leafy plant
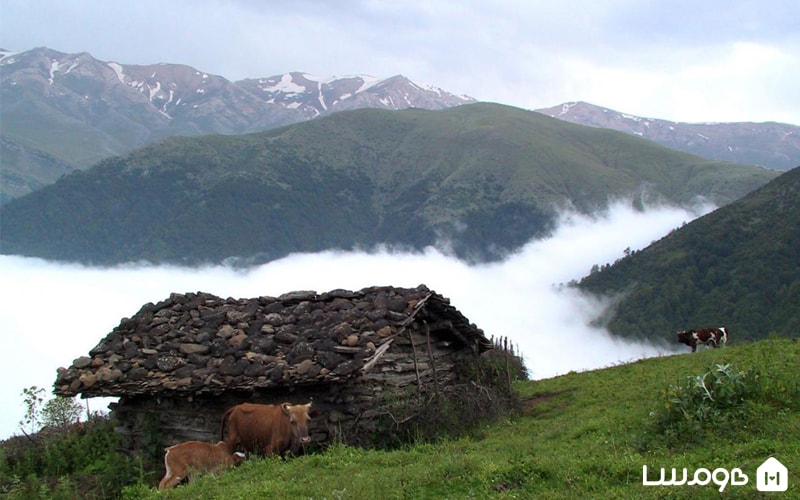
{"x": 33, "y": 399}
{"x": 60, "y": 412}
{"x": 707, "y": 401}
{"x": 79, "y": 461}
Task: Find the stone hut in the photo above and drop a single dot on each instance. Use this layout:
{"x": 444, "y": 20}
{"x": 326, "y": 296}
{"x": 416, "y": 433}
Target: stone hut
{"x": 375, "y": 362}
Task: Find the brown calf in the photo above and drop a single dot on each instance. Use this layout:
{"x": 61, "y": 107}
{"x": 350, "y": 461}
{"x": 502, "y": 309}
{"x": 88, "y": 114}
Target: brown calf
{"x": 267, "y": 429}
{"x": 194, "y": 457}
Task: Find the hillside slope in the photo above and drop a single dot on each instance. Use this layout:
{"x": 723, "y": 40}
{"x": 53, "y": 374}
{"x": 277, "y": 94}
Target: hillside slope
{"x": 738, "y": 266}
{"x": 582, "y": 435}
{"x": 481, "y": 178}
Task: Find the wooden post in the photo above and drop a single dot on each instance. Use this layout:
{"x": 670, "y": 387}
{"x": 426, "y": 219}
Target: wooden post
{"x": 416, "y": 367}
{"x": 508, "y": 368}
{"x": 433, "y": 360}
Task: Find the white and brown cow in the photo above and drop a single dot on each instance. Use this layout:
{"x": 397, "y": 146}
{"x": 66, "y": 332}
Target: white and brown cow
{"x": 184, "y": 460}
{"x": 712, "y": 337}
{"x": 267, "y": 429}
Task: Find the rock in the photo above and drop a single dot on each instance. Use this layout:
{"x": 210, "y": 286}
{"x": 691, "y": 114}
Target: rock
{"x": 264, "y": 344}
{"x": 234, "y": 317}
{"x": 302, "y": 308}
{"x": 303, "y": 367}
{"x": 385, "y": 331}
{"x": 130, "y": 349}
{"x": 88, "y": 380}
{"x": 341, "y": 304}
{"x": 168, "y": 362}
{"x": 277, "y": 374}
{"x": 82, "y": 362}
{"x": 330, "y": 360}
{"x": 273, "y": 319}
{"x": 238, "y": 340}
{"x": 300, "y": 352}
{"x": 341, "y": 331}
{"x": 351, "y": 340}
{"x": 108, "y": 375}
{"x": 233, "y": 367}
{"x": 225, "y": 331}
{"x": 298, "y": 296}
{"x": 136, "y": 374}
{"x": 185, "y": 371}
{"x": 194, "y": 348}
{"x": 285, "y": 338}
{"x": 348, "y": 367}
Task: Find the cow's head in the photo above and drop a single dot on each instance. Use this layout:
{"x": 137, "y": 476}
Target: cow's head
{"x": 298, "y": 417}
{"x": 685, "y": 337}
{"x": 238, "y": 457}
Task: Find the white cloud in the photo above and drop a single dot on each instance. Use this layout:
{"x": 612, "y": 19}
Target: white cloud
{"x": 54, "y": 313}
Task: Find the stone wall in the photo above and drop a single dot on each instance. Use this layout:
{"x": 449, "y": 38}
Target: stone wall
{"x": 412, "y": 378}
{"x": 198, "y": 343}
{"x": 376, "y": 362}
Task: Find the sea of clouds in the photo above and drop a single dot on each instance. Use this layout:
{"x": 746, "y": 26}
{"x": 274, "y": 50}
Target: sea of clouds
{"x": 53, "y": 313}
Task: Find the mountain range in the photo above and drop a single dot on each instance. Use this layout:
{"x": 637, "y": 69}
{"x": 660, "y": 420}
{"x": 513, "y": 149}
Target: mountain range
{"x": 481, "y": 178}
{"x": 771, "y": 145}
{"x": 68, "y": 111}
{"x": 99, "y": 166}
{"x": 63, "y": 112}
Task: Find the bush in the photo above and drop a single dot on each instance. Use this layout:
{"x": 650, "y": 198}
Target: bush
{"x": 80, "y": 461}
{"x": 709, "y": 402}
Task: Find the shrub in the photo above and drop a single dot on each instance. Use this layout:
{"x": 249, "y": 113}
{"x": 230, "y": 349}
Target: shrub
{"x": 707, "y": 402}
{"x": 56, "y": 462}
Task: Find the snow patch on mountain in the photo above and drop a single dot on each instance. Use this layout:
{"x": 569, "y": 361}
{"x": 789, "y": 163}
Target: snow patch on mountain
{"x": 286, "y": 85}
{"x": 7, "y": 56}
{"x": 119, "y": 70}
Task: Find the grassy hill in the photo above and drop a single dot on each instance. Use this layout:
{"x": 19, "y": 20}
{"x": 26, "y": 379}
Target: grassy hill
{"x": 485, "y": 177}
{"x": 582, "y": 435}
{"x": 738, "y": 266}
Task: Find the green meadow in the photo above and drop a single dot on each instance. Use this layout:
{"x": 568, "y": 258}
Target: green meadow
{"x": 580, "y": 435}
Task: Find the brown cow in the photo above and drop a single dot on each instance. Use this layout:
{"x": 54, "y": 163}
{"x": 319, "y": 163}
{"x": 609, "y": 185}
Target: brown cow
{"x": 710, "y": 336}
{"x": 267, "y": 429}
{"x": 193, "y": 457}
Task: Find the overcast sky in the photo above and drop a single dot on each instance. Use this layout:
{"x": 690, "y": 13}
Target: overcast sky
{"x": 54, "y": 313}
{"x": 683, "y": 60}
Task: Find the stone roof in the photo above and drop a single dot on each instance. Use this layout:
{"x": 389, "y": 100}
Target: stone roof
{"x": 198, "y": 343}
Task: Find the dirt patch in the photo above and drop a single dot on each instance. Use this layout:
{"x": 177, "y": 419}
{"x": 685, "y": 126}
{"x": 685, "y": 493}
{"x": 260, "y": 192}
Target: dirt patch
{"x": 531, "y": 404}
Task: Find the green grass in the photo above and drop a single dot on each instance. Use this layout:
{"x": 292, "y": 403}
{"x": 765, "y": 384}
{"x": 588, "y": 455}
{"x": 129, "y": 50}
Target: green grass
{"x": 581, "y": 435}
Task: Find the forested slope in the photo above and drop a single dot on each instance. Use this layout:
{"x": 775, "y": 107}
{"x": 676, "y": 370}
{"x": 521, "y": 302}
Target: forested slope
{"x": 738, "y": 266}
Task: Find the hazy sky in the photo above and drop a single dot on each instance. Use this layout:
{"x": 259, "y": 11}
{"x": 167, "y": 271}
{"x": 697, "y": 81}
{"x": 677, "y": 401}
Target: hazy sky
{"x": 684, "y": 60}
{"x": 54, "y": 313}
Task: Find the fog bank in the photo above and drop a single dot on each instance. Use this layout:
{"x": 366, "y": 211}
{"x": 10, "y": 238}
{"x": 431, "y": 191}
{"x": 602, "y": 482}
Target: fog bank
{"x": 53, "y": 313}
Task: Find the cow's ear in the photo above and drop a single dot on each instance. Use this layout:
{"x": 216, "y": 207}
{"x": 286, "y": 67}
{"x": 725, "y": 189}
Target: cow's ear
{"x": 285, "y": 407}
